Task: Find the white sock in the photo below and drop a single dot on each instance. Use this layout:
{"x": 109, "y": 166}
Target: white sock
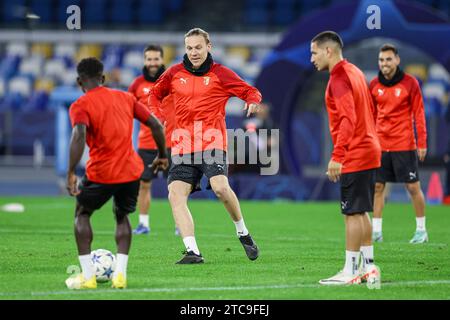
{"x": 121, "y": 264}
{"x": 191, "y": 245}
{"x": 377, "y": 224}
{"x": 367, "y": 255}
{"x": 87, "y": 267}
{"x": 143, "y": 219}
{"x": 351, "y": 262}
{"x": 241, "y": 229}
{"x": 420, "y": 224}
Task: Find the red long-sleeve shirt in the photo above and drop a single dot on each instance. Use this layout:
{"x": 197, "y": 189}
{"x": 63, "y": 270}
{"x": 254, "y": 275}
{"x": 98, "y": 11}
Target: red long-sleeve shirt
{"x": 397, "y": 108}
{"x": 350, "y": 113}
{"x": 140, "y": 88}
{"x": 199, "y": 103}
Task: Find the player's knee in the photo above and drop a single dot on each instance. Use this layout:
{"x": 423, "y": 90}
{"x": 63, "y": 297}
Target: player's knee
{"x": 82, "y": 211}
{"x": 221, "y": 191}
{"x": 176, "y": 196}
{"x": 144, "y": 186}
{"x": 379, "y": 187}
{"x": 413, "y": 188}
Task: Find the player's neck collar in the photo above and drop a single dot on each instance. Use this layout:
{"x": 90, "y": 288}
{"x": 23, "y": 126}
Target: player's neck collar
{"x": 148, "y": 77}
{"x": 202, "y": 70}
{"x": 398, "y": 76}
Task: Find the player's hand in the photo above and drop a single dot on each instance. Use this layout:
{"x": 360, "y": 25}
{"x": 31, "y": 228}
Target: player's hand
{"x": 422, "y": 153}
{"x": 334, "y": 171}
{"x": 251, "y": 108}
{"x": 159, "y": 164}
{"x": 72, "y": 184}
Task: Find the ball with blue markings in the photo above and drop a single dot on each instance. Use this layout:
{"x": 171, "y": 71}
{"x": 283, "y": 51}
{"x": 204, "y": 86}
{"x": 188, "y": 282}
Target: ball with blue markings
{"x": 104, "y": 263}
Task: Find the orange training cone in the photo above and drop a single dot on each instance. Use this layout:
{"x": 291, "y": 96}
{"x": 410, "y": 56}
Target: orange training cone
{"x": 435, "y": 193}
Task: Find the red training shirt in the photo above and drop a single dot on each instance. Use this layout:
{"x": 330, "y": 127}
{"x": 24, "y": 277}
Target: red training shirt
{"x": 199, "y": 105}
{"x": 397, "y": 108}
{"x": 140, "y": 88}
{"x": 350, "y": 113}
{"x": 108, "y": 115}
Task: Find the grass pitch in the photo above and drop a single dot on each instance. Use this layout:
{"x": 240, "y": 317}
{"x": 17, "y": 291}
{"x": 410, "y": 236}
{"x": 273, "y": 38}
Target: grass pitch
{"x": 300, "y": 243}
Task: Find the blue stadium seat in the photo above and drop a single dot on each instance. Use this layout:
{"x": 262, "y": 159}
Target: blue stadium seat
{"x": 444, "y": 6}
{"x": 121, "y": 12}
{"x": 257, "y": 17}
{"x": 94, "y": 12}
{"x": 44, "y": 9}
{"x": 8, "y": 66}
{"x": 12, "y": 11}
{"x": 284, "y": 12}
{"x": 12, "y": 101}
{"x": 37, "y": 102}
{"x": 307, "y": 6}
{"x": 174, "y": 5}
{"x": 150, "y": 12}
{"x": 257, "y": 12}
{"x": 112, "y": 56}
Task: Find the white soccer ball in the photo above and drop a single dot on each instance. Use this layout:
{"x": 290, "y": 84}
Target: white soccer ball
{"x": 104, "y": 263}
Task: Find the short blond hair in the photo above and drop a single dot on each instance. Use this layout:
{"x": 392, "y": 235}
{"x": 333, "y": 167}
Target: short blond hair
{"x": 198, "y": 32}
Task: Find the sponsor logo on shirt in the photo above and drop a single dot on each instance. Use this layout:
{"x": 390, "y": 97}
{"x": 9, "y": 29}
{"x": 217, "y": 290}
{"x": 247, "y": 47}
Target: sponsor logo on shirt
{"x": 183, "y": 80}
{"x": 380, "y": 92}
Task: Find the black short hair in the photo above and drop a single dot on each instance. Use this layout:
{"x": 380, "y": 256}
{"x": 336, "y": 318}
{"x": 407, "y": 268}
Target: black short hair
{"x": 90, "y": 68}
{"x": 389, "y": 47}
{"x": 328, "y": 36}
{"x": 154, "y": 47}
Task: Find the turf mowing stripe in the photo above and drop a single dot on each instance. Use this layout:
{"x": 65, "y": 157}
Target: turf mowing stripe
{"x": 104, "y": 232}
{"x": 262, "y": 287}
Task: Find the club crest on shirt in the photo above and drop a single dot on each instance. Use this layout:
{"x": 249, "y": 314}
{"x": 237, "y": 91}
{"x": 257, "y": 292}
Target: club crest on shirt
{"x": 397, "y": 92}
{"x": 206, "y": 80}
{"x": 380, "y": 92}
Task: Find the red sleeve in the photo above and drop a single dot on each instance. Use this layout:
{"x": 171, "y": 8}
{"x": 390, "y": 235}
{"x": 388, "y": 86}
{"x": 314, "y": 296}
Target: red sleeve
{"x": 237, "y": 87}
{"x": 78, "y": 113}
{"x": 345, "y": 105}
{"x": 374, "y": 100}
{"x": 133, "y": 87}
{"x": 419, "y": 114}
{"x": 160, "y": 90}
{"x": 141, "y": 112}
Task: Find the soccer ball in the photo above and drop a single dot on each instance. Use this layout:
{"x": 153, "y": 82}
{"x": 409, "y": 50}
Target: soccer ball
{"x": 104, "y": 263}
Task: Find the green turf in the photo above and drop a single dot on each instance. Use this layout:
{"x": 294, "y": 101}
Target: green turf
{"x": 300, "y": 243}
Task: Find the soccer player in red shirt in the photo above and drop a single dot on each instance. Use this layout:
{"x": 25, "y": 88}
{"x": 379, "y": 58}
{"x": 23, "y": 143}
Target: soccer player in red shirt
{"x": 140, "y": 88}
{"x": 103, "y": 118}
{"x": 200, "y": 89}
{"x": 398, "y": 106}
{"x": 355, "y": 157}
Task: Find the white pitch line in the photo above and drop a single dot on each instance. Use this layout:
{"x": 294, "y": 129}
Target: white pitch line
{"x": 169, "y": 290}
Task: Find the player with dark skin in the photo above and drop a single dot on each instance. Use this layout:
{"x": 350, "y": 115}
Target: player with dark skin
{"x": 83, "y": 230}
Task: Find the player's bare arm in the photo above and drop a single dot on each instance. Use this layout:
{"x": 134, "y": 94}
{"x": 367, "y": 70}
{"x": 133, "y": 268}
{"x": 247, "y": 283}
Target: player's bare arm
{"x": 77, "y": 143}
{"x": 161, "y": 162}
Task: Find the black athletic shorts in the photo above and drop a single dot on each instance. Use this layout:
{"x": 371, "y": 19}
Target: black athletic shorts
{"x": 357, "y": 191}
{"x": 191, "y": 167}
{"x": 148, "y": 155}
{"x": 399, "y": 166}
{"x": 94, "y": 195}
